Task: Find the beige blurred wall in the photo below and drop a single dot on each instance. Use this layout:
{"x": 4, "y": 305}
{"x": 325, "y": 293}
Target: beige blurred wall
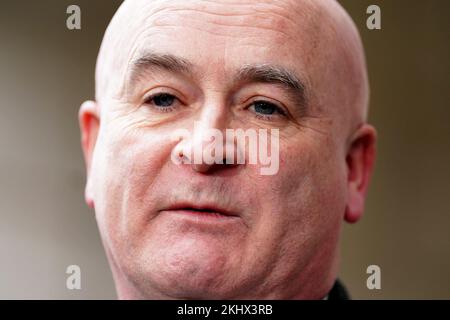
{"x": 46, "y": 71}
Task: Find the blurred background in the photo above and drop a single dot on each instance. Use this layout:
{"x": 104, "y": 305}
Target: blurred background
{"x": 47, "y": 71}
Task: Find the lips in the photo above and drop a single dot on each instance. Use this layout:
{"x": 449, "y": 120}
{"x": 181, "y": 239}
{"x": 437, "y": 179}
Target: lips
{"x": 201, "y": 209}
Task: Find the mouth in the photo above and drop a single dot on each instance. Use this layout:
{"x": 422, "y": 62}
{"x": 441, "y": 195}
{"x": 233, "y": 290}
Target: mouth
{"x": 205, "y": 210}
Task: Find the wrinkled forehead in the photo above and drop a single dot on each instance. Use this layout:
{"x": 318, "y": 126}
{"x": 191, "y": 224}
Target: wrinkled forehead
{"x": 214, "y": 35}
{"x": 316, "y": 39}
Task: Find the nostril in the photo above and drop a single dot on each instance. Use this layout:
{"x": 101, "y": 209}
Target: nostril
{"x": 180, "y": 155}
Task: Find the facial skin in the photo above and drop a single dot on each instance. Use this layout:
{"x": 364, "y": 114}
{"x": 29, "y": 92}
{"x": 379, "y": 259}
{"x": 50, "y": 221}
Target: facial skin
{"x": 283, "y": 240}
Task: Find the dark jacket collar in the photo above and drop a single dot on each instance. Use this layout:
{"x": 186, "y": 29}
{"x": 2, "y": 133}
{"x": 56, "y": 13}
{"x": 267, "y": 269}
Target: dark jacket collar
{"x": 338, "y": 292}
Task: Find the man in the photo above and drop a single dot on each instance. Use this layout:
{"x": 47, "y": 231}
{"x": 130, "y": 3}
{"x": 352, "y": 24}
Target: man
{"x": 223, "y": 230}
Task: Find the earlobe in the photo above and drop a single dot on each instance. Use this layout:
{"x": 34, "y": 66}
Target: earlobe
{"x": 89, "y": 121}
{"x": 360, "y": 162}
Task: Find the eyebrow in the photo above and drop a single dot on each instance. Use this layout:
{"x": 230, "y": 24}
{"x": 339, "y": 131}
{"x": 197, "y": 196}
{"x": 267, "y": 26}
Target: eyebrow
{"x": 151, "y": 60}
{"x": 262, "y": 73}
{"x": 266, "y": 73}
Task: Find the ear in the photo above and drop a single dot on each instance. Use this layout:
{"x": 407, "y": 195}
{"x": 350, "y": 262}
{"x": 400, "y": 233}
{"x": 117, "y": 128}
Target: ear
{"x": 89, "y": 120}
{"x": 360, "y": 163}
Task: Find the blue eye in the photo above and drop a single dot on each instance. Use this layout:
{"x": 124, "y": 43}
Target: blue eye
{"x": 163, "y": 100}
{"x": 265, "y": 108}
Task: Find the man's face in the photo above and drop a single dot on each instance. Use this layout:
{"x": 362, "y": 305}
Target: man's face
{"x": 283, "y": 228}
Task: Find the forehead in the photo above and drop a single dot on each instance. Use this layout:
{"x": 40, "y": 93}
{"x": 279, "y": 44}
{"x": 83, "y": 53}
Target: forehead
{"x": 220, "y": 18}
{"x": 217, "y": 35}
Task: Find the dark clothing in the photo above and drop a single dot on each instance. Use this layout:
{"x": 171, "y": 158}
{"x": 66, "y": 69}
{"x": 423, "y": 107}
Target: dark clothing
{"x": 338, "y": 292}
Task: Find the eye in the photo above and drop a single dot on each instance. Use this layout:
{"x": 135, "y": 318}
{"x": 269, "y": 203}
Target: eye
{"x": 162, "y": 100}
{"x": 266, "y": 109}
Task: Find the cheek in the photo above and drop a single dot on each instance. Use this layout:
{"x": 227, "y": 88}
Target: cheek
{"x": 128, "y": 163}
{"x": 310, "y": 186}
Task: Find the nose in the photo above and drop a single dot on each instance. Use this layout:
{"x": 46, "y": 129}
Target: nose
{"x": 208, "y": 148}
{"x": 213, "y": 155}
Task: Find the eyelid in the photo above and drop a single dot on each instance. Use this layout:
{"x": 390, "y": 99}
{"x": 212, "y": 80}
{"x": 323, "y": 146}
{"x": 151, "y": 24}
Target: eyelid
{"x": 149, "y": 103}
{"x": 151, "y": 93}
{"x": 282, "y": 110}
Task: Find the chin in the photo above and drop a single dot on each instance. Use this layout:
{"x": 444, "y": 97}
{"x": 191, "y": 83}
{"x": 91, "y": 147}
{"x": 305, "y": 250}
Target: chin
{"x": 192, "y": 270}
